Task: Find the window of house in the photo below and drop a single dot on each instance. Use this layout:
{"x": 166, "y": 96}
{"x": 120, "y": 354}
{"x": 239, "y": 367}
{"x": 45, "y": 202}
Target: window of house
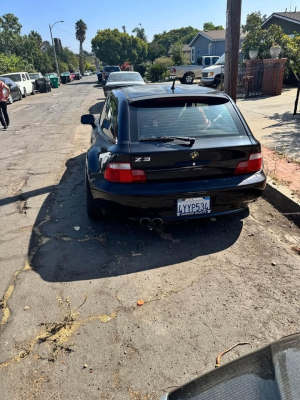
{"x": 193, "y": 54}
{"x": 209, "y": 48}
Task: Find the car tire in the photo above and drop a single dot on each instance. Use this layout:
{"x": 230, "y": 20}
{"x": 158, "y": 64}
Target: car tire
{"x": 25, "y": 93}
{"x": 188, "y": 78}
{"x": 20, "y": 95}
{"x": 91, "y": 207}
{"x": 181, "y": 80}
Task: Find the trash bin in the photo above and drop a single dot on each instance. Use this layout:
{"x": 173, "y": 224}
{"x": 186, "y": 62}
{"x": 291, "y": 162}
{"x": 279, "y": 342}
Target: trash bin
{"x": 41, "y": 85}
{"x": 64, "y": 78}
{"x": 99, "y": 75}
{"x": 54, "y": 81}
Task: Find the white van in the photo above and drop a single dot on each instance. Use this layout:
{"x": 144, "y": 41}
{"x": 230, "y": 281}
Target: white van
{"x": 23, "y": 80}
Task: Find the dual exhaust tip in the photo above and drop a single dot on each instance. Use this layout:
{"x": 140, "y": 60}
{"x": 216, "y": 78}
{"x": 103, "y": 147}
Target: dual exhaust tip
{"x": 151, "y": 223}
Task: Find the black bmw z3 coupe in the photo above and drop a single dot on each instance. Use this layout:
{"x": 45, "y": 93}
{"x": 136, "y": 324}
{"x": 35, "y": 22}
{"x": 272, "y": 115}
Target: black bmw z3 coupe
{"x": 160, "y": 153}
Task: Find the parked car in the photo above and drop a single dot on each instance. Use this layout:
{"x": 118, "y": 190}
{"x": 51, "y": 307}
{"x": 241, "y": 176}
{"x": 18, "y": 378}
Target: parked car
{"x": 15, "y": 91}
{"x": 23, "y": 80}
{"x": 122, "y": 79}
{"x": 107, "y": 70}
{"x": 188, "y": 73}
{"x": 214, "y": 75}
{"x": 86, "y": 73}
{"x": 160, "y": 153}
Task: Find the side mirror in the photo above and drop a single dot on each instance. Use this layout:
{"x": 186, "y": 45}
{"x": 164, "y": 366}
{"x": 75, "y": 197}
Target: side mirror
{"x": 88, "y": 119}
{"x": 105, "y": 124}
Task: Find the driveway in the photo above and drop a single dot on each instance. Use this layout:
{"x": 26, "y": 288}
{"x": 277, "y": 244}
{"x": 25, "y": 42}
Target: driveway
{"x": 70, "y": 325}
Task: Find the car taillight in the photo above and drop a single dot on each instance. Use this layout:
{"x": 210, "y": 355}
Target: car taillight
{"x": 174, "y": 70}
{"x": 253, "y": 164}
{"x": 122, "y": 173}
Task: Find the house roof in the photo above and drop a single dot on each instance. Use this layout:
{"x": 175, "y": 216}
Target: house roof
{"x": 289, "y": 16}
{"x": 215, "y": 35}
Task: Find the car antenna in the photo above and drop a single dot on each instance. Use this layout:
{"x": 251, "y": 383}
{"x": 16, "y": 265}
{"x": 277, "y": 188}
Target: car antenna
{"x": 173, "y": 86}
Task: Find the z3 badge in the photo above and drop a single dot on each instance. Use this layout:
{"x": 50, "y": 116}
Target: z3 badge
{"x": 142, "y": 159}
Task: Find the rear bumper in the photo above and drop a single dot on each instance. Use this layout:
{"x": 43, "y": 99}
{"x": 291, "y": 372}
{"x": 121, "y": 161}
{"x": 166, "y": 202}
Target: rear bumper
{"x": 135, "y": 201}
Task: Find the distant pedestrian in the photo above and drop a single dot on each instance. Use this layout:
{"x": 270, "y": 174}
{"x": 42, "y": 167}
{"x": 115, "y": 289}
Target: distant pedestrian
{"x": 4, "y": 93}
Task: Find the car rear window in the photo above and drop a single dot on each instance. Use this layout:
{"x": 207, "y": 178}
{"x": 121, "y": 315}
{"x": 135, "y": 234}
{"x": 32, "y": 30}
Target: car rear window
{"x": 112, "y": 69}
{"x": 14, "y": 77}
{"x": 125, "y": 77}
{"x": 184, "y": 117}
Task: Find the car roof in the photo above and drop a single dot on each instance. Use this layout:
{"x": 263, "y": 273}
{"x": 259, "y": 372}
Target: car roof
{"x": 136, "y": 92}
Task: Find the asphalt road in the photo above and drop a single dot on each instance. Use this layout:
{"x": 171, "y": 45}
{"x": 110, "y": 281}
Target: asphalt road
{"x": 70, "y": 327}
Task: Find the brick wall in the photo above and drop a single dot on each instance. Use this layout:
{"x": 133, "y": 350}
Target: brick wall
{"x": 273, "y": 76}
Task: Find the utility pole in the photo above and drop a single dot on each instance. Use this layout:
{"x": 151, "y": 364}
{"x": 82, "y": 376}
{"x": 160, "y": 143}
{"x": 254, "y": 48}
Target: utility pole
{"x": 56, "y": 63}
{"x": 124, "y": 28}
{"x": 232, "y": 46}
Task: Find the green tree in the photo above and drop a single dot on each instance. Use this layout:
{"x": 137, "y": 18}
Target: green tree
{"x": 140, "y": 33}
{"x": 178, "y": 55}
{"x": 10, "y": 30}
{"x": 155, "y": 50}
{"x": 166, "y": 39}
{"x": 37, "y": 37}
{"x": 254, "y": 21}
{"x": 12, "y": 63}
{"x": 10, "y": 23}
{"x": 209, "y": 26}
{"x": 81, "y": 29}
{"x": 115, "y": 48}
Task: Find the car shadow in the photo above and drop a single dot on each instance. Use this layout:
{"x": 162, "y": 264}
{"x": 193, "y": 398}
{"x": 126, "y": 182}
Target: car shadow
{"x": 96, "y": 108}
{"x": 68, "y": 246}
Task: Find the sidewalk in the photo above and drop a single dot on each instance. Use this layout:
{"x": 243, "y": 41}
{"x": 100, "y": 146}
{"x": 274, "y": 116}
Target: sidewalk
{"x": 272, "y": 123}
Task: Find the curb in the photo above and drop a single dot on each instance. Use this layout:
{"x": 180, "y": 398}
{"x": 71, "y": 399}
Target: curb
{"x": 281, "y": 197}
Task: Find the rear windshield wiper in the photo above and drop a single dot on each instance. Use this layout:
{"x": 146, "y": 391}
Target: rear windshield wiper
{"x": 169, "y": 139}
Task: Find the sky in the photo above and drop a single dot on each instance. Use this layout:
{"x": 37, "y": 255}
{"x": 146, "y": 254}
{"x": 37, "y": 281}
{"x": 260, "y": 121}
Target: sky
{"x": 154, "y": 15}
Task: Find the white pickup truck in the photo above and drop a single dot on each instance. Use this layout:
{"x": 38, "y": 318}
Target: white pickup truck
{"x": 187, "y": 73}
{"x": 213, "y": 75}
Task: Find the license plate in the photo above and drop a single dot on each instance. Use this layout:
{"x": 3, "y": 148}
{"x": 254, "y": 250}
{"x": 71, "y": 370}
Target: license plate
{"x": 195, "y": 206}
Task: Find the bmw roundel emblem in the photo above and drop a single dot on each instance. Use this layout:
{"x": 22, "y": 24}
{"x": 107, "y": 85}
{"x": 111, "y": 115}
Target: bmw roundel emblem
{"x": 194, "y": 155}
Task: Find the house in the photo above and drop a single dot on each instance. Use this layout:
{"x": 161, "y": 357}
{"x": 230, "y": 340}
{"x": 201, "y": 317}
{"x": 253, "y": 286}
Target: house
{"x": 185, "y": 49}
{"x": 211, "y": 43}
{"x": 289, "y": 21}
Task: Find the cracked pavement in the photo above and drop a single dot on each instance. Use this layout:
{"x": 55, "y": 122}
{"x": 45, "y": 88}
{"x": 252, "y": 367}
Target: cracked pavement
{"x": 69, "y": 324}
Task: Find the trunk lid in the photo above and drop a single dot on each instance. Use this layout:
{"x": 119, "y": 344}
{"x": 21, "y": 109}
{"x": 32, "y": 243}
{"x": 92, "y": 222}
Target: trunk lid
{"x": 206, "y": 159}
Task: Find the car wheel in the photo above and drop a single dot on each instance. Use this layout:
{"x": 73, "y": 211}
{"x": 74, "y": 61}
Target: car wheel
{"x": 25, "y": 93}
{"x": 188, "y": 78}
{"x": 10, "y": 100}
{"x": 20, "y": 95}
{"x": 91, "y": 206}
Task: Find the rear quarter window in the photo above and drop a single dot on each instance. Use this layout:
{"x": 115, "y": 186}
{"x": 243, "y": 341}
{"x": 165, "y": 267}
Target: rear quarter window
{"x": 199, "y": 117}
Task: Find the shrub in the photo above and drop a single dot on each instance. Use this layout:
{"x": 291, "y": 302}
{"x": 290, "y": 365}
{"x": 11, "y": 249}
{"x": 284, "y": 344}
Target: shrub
{"x": 155, "y": 72}
{"x": 164, "y": 61}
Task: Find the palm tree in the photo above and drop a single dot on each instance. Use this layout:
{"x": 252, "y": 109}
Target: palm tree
{"x": 81, "y": 29}
{"x": 37, "y": 37}
{"x": 140, "y": 33}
